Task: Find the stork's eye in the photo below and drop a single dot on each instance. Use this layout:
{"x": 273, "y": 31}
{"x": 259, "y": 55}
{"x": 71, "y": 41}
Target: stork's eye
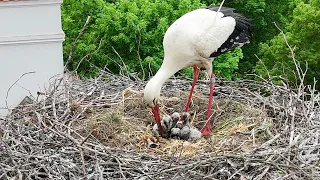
{"x": 154, "y": 101}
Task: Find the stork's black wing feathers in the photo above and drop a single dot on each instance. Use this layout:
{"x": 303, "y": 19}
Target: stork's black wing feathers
{"x": 241, "y": 34}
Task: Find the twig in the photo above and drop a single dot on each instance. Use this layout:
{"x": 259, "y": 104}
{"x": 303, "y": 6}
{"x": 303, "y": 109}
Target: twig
{"x": 76, "y": 40}
{"x": 83, "y": 164}
{"x": 32, "y": 72}
{"x": 138, "y": 52}
{"x": 124, "y": 65}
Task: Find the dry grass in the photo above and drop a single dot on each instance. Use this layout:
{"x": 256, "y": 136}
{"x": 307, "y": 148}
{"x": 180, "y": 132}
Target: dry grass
{"x": 238, "y": 127}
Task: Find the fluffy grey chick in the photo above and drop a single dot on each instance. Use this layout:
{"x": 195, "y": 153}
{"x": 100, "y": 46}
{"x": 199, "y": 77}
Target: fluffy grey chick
{"x": 175, "y": 132}
{"x": 185, "y": 125}
{"x": 166, "y": 124}
{"x": 175, "y": 118}
{"x": 155, "y": 130}
{"x": 188, "y": 131}
{"x": 195, "y": 134}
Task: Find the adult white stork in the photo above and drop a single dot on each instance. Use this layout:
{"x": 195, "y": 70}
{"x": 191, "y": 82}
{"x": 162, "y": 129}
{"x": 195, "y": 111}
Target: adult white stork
{"x": 195, "y": 39}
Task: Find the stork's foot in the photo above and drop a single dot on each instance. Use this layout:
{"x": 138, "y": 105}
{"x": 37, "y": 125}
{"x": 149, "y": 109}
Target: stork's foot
{"x": 205, "y": 131}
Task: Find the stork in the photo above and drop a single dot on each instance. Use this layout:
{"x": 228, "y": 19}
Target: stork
{"x": 195, "y": 39}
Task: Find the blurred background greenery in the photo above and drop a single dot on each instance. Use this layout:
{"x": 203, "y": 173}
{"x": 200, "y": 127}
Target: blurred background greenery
{"x": 131, "y": 31}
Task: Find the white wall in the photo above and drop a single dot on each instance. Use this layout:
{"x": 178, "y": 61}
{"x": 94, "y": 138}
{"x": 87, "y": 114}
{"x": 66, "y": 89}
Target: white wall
{"x": 30, "y": 40}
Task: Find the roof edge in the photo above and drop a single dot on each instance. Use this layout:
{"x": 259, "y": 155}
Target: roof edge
{"x": 15, "y": 4}
{"x": 59, "y": 37}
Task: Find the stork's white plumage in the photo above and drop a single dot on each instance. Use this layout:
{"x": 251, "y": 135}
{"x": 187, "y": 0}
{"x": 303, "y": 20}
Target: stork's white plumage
{"x": 195, "y": 39}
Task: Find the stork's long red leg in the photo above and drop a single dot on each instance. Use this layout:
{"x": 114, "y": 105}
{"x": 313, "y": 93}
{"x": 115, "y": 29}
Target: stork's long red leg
{"x": 206, "y": 129}
{"x": 195, "y": 78}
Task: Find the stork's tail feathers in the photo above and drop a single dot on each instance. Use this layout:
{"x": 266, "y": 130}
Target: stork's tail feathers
{"x": 241, "y": 34}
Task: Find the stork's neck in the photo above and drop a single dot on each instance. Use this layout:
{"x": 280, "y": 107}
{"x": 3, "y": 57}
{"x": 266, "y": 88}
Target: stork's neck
{"x": 163, "y": 74}
{"x": 166, "y": 70}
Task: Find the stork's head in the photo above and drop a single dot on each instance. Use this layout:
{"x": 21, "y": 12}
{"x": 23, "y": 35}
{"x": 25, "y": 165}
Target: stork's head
{"x": 151, "y": 95}
{"x": 151, "y": 98}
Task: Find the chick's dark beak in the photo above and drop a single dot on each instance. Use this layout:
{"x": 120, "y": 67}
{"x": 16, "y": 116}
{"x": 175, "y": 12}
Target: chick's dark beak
{"x": 180, "y": 123}
{"x": 156, "y": 115}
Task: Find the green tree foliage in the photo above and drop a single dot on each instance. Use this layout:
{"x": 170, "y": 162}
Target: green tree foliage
{"x": 131, "y": 31}
{"x": 263, "y": 13}
{"x": 130, "y": 27}
{"x": 74, "y": 15}
{"x": 227, "y": 64}
{"x": 303, "y": 33}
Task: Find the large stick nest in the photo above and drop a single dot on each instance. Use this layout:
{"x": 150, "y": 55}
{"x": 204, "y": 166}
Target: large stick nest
{"x": 98, "y": 128}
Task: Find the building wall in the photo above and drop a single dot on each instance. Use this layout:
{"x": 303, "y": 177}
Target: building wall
{"x": 31, "y": 39}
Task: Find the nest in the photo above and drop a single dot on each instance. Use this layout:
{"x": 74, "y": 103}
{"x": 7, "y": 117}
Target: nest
{"x": 99, "y": 128}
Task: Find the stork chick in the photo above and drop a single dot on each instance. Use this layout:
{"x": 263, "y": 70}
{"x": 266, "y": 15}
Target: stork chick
{"x": 175, "y": 118}
{"x": 195, "y": 134}
{"x": 188, "y": 131}
{"x": 185, "y": 125}
{"x": 166, "y": 124}
{"x": 175, "y": 132}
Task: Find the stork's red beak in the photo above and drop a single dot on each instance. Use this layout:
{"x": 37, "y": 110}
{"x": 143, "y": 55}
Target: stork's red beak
{"x": 156, "y": 115}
